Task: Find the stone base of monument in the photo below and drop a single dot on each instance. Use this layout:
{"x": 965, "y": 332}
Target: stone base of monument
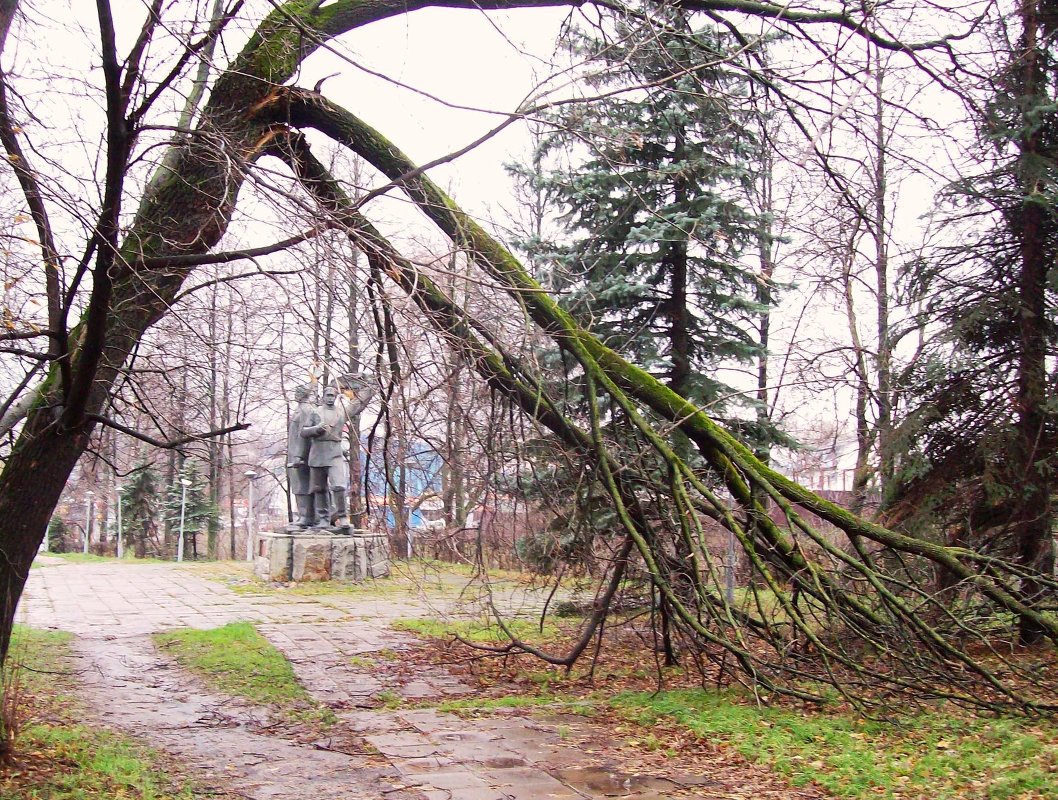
{"x": 320, "y": 556}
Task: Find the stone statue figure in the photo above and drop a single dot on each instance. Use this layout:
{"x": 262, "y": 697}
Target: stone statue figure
{"x": 325, "y": 460}
{"x": 319, "y": 474}
{"x": 298, "y": 457}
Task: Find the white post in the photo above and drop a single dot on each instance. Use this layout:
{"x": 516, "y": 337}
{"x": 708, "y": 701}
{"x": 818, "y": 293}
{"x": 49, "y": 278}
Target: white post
{"x": 184, "y": 483}
{"x": 121, "y": 533}
{"x": 250, "y": 475}
{"x": 87, "y": 519}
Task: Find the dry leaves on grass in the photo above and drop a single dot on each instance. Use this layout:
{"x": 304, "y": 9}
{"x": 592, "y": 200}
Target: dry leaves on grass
{"x": 662, "y": 750}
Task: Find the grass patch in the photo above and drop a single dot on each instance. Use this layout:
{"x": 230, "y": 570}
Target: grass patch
{"x": 373, "y": 587}
{"x": 237, "y": 660}
{"x": 940, "y": 755}
{"x": 220, "y": 570}
{"x": 92, "y": 558}
{"x": 478, "y": 630}
{"x": 35, "y": 655}
{"x": 74, "y": 762}
{"x": 419, "y": 569}
{"x": 389, "y": 699}
{"x": 58, "y": 759}
{"x": 81, "y": 558}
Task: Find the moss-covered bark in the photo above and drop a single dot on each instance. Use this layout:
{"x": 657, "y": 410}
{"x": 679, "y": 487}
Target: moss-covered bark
{"x": 735, "y": 462}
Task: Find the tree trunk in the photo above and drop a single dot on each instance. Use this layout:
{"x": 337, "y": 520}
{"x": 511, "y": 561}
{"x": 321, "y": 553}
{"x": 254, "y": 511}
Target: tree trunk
{"x": 765, "y": 250}
{"x": 865, "y": 437}
{"x": 1032, "y": 517}
{"x": 215, "y": 445}
{"x": 453, "y": 473}
{"x": 884, "y": 355}
{"x": 676, "y": 257}
{"x": 228, "y": 444}
{"x": 357, "y": 495}
{"x": 30, "y": 486}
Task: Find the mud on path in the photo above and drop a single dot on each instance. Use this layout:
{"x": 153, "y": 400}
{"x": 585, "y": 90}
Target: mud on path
{"x": 232, "y": 749}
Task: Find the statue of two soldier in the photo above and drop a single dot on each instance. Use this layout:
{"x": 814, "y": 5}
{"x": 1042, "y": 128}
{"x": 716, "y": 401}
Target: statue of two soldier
{"x": 316, "y": 459}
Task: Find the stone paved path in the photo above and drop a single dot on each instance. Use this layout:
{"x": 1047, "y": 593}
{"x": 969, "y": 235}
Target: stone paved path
{"x": 112, "y": 608}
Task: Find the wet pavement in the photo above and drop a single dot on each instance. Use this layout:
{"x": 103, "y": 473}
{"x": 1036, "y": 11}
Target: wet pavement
{"x": 331, "y": 641}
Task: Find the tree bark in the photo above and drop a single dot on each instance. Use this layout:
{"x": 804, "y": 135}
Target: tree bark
{"x": 1032, "y": 518}
{"x": 884, "y": 356}
{"x": 30, "y": 486}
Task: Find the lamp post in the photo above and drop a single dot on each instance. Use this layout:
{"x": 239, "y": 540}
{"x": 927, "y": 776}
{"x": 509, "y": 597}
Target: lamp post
{"x": 121, "y": 533}
{"x": 184, "y": 483}
{"x": 88, "y": 519}
{"x": 250, "y": 475}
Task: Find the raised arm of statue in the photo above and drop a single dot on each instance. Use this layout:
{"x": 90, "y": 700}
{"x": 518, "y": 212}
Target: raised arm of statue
{"x": 358, "y": 390}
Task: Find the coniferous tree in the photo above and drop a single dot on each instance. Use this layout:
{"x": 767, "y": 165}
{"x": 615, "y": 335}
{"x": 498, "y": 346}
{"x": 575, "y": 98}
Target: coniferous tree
{"x": 200, "y": 512}
{"x": 57, "y": 533}
{"x": 653, "y": 201}
{"x": 140, "y": 504}
{"x": 653, "y": 182}
{"x": 984, "y": 436}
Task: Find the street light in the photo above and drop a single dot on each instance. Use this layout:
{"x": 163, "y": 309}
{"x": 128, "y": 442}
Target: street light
{"x": 88, "y": 519}
{"x": 184, "y": 483}
{"x": 121, "y": 535}
{"x": 250, "y": 475}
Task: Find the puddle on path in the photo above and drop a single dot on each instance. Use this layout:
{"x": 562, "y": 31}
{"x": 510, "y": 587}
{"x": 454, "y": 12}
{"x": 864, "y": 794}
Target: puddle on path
{"x": 503, "y": 763}
{"x": 601, "y": 781}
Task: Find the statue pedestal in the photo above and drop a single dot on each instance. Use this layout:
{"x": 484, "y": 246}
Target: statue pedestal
{"x": 320, "y": 556}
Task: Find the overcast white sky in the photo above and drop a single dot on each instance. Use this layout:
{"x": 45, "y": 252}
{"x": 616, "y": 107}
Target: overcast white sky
{"x": 463, "y": 58}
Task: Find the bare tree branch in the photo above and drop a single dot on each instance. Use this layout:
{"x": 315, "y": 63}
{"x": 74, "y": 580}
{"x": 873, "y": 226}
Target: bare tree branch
{"x": 198, "y": 260}
{"x": 172, "y": 444}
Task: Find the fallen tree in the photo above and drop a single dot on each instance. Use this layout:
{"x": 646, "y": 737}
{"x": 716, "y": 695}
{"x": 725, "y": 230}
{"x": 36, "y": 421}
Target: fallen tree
{"x": 867, "y": 626}
{"x": 820, "y": 614}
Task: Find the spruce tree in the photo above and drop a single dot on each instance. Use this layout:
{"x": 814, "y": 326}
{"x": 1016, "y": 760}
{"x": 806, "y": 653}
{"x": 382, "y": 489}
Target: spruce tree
{"x": 57, "y": 533}
{"x": 652, "y": 183}
{"x": 200, "y": 513}
{"x": 652, "y": 193}
{"x": 140, "y": 508}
